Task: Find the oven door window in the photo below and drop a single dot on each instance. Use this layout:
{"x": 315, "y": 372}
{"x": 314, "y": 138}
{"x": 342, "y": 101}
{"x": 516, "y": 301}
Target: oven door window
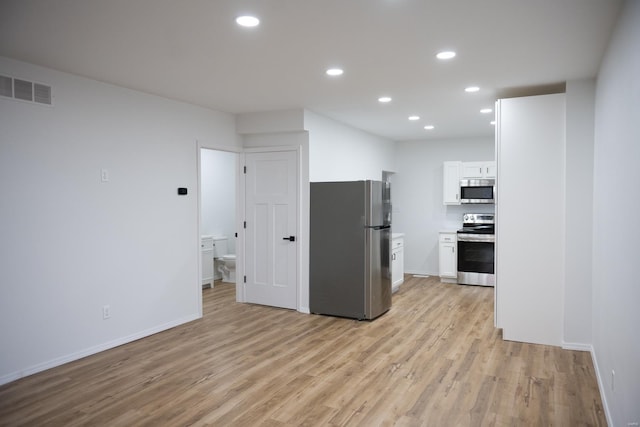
{"x": 475, "y": 257}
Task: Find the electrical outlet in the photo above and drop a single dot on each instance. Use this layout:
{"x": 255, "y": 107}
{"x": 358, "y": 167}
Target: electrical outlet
{"x": 613, "y": 380}
{"x": 106, "y": 312}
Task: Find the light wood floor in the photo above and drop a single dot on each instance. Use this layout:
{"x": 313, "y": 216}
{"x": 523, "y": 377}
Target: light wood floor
{"x": 434, "y": 359}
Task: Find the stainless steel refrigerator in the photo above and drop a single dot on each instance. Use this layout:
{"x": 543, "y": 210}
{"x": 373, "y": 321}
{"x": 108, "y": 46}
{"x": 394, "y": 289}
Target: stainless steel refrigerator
{"x": 350, "y": 236}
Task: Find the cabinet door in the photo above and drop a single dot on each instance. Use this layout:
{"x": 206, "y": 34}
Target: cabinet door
{"x": 207, "y": 266}
{"x": 448, "y": 260}
{"x": 400, "y": 266}
{"x": 490, "y": 170}
{"x": 393, "y": 264}
{"x": 451, "y": 183}
{"x": 478, "y": 170}
{"x": 472, "y": 170}
{"x": 397, "y": 266}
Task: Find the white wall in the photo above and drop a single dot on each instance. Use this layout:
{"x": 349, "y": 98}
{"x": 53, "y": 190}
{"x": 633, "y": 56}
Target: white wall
{"x": 580, "y": 96}
{"x": 616, "y": 253}
{"x": 530, "y": 260}
{"x": 268, "y": 122}
{"x": 418, "y": 210}
{"x": 338, "y": 152}
{"x": 71, "y": 243}
{"x": 218, "y": 194}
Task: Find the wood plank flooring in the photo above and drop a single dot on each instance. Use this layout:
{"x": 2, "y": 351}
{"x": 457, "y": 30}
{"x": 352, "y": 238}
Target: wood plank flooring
{"x": 433, "y": 360}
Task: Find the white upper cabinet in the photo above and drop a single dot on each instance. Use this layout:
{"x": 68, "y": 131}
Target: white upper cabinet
{"x": 477, "y": 170}
{"x": 451, "y": 183}
{"x": 491, "y": 169}
{"x": 455, "y": 171}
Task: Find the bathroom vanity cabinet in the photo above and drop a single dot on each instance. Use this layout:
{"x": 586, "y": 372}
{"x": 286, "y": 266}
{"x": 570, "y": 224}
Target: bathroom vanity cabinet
{"x": 206, "y": 249}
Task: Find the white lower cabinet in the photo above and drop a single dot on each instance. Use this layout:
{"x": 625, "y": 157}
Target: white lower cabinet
{"x": 448, "y": 256}
{"x": 397, "y": 261}
{"x": 206, "y": 249}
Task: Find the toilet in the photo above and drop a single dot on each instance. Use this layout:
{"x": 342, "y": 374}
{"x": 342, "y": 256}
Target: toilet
{"x": 228, "y": 268}
{"x": 225, "y": 263}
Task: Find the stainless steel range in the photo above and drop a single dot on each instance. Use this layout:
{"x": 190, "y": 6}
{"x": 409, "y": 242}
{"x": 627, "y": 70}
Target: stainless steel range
{"x": 476, "y": 251}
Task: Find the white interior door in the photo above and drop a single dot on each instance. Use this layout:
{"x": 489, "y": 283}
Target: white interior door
{"x": 271, "y": 231}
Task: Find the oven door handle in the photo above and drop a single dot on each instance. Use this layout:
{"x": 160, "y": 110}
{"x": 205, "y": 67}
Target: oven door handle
{"x": 480, "y": 238}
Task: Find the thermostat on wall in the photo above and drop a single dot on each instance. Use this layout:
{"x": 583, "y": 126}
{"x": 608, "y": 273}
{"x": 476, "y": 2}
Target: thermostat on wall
{"x": 182, "y": 191}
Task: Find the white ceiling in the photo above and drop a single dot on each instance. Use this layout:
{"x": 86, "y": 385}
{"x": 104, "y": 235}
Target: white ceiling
{"x": 192, "y": 50}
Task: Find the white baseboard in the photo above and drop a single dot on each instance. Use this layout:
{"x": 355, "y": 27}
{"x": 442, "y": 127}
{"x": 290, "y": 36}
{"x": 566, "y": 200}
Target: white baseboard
{"x": 305, "y": 310}
{"x": 577, "y": 346}
{"x": 93, "y": 350}
{"x": 420, "y": 273}
{"x": 601, "y": 385}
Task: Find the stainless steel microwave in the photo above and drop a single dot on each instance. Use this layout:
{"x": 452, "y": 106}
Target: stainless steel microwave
{"x": 477, "y": 191}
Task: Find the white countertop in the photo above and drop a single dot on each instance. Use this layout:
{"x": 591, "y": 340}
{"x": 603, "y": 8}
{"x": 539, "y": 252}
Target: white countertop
{"x": 396, "y": 235}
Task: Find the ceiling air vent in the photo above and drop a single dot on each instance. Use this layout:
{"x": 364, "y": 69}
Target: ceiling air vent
{"x": 25, "y": 90}
{"x": 41, "y": 94}
{"x": 6, "y": 86}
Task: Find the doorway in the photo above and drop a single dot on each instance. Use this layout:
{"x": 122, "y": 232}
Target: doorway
{"x": 218, "y": 196}
{"x": 220, "y": 172}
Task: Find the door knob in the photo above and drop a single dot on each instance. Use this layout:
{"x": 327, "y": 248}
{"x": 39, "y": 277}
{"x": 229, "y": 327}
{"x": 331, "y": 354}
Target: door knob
{"x": 290, "y": 238}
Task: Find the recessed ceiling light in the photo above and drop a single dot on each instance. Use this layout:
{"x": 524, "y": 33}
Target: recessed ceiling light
{"x": 486, "y": 110}
{"x": 471, "y": 89}
{"x": 384, "y": 99}
{"x": 429, "y": 127}
{"x": 335, "y": 72}
{"x": 247, "y": 21}
{"x": 414, "y": 118}
{"x": 447, "y": 54}
{"x": 493, "y": 122}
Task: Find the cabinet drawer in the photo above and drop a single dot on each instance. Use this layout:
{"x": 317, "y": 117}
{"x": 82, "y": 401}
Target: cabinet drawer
{"x": 448, "y": 237}
{"x": 397, "y": 243}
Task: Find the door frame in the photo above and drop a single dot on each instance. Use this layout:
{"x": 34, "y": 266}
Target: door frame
{"x": 204, "y": 145}
{"x": 241, "y": 242}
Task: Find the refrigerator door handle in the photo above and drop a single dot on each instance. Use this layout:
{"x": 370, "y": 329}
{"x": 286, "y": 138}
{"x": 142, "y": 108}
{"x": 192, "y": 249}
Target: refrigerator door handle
{"x": 290, "y": 238}
{"x": 378, "y": 227}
